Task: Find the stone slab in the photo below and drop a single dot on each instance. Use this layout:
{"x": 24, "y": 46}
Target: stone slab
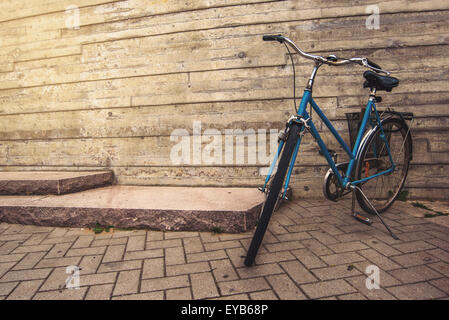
{"x": 52, "y": 182}
{"x": 158, "y": 208}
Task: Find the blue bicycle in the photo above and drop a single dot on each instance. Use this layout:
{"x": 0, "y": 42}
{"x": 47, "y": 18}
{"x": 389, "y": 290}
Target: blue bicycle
{"x": 378, "y": 162}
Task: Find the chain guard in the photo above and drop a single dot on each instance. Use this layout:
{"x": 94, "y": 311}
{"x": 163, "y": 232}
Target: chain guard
{"x": 331, "y": 188}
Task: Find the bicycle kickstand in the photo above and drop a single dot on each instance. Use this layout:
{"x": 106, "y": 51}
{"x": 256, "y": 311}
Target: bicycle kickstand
{"x": 364, "y": 219}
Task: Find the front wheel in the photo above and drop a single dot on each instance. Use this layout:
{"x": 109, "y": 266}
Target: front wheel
{"x": 374, "y": 158}
{"x": 273, "y": 194}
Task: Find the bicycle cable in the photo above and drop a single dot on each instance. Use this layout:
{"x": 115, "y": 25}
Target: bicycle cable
{"x": 294, "y": 77}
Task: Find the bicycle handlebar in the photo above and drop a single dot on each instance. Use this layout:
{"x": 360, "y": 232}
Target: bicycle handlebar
{"x": 332, "y": 60}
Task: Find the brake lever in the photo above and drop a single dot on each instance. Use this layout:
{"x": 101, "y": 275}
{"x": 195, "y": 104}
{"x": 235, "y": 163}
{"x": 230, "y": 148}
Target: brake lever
{"x": 367, "y": 65}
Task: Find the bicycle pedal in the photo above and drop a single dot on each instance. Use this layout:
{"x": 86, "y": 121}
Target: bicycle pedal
{"x": 362, "y": 219}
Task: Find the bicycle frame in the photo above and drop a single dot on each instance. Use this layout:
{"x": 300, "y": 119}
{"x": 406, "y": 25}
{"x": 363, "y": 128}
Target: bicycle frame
{"x": 353, "y": 155}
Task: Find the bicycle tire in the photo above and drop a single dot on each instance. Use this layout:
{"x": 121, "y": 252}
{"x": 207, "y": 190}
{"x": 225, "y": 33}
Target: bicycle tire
{"x": 273, "y": 194}
{"x": 366, "y": 160}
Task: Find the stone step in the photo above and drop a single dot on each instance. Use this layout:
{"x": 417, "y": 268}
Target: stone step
{"x": 52, "y": 182}
{"x": 158, "y": 208}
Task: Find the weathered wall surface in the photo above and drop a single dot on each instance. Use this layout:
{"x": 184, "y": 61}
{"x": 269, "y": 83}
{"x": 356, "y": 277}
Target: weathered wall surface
{"x": 110, "y": 93}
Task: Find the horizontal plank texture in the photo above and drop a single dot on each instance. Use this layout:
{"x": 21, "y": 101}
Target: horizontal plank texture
{"x": 116, "y": 92}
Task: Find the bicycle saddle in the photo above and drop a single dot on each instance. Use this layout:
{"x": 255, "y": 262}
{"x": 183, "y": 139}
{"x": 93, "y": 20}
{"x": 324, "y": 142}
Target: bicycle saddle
{"x": 373, "y": 80}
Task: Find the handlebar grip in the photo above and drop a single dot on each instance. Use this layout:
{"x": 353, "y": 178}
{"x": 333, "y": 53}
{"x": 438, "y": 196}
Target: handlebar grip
{"x": 272, "y": 37}
{"x": 373, "y": 64}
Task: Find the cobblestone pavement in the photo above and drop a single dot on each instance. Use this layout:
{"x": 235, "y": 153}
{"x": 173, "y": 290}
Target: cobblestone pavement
{"x": 312, "y": 250}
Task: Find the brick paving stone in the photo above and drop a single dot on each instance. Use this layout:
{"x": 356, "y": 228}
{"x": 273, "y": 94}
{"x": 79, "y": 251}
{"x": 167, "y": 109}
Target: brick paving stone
{"x": 347, "y": 246}
{"x": 12, "y": 237}
{"x": 386, "y": 280}
{"x": 90, "y": 264}
{"x": 180, "y": 234}
{"x": 284, "y": 246}
{"x": 263, "y": 295}
{"x": 142, "y": 296}
{"x": 193, "y": 245}
{"x": 415, "y": 274}
{"x": 444, "y": 245}
{"x": 58, "y": 250}
{"x": 259, "y": 271}
{"x": 174, "y": 256}
{"x": 188, "y": 268}
{"x": 441, "y": 267}
{"x": 237, "y": 256}
{"x": 203, "y": 285}
{"x": 23, "y": 275}
{"x": 35, "y": 239}
{"x": 145, "y": 254}
{"x": 234, "y": 297}
{"x": 439, "y": 254}
{"x": 155, "y": 235}
{"x": 323, "y": 237}
{"x": 335, "y": 272}
{"x": 372, "y": 294}
{"x": 274, "y": 257}
{"x": 25, "y": 290}
{"x": 209, "y": 237}
{"x": 127, "y": 282}
{"x": 413, "y": 246}
{"x": 159, "y": 244}
{"x": 416, "y": 291}
{"x": 294, "y": 236}
{"x": 83, "y": 242}
{"x": 120, "y": 266}
{"x": 298, "y": 272}
{"x": 342, "y": 258}
{"x": 305, "y": 254}
{"x": 308, "y": 258}
{"x": 211, "y": 246}
{"x": 379, "y": 260}
{"x": 100, "y": 292}
{"x": 316, "y": 247}
{"x": 36, "y": 248}
{"x": 285, "y": 288}
{"x": 179, "y": 294}
{"x": 7, "y": 287}
{"x": 206, "y": 256}
{"x": 153, "y": 268}
{"x": 59, "y": 262}
{"x": 136, "y": 243}
{"x": 60, "y": 240}
{"x": 442, "y": 284}
{"x": 29, "y": 261}
{"x": 108, "y": 242}
{"x": 57, "y": 233}
{"x": 85, "y": 251}
{"x": 414, "y": 259}
{"x": 66, "y": 294}
{"x": 243, "y": 286}
{"x": 114, "y": 253}
{"x": 223, "y": 270}
{"x": 276, "y": 228}
{"x": 165, "y": 283}
{"x": 352, "y": 296}
{"x": 381, "y": 247}
{"x": 327, "y": 288}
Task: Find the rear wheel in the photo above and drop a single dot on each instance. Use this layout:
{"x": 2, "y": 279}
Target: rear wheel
{"x": 383, "y": 190}
{"x": 273, "y": 194}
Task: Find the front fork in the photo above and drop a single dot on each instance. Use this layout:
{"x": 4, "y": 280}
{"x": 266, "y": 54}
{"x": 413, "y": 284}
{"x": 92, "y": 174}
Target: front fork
{"x": 282, "y": 139}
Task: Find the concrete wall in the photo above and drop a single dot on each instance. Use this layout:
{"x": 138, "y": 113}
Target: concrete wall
{"x": 110, "y": 93}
